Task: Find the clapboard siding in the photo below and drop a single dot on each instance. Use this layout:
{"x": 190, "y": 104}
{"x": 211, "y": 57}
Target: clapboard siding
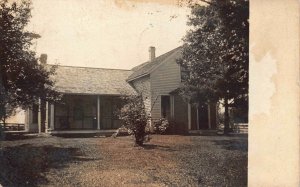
{"x": 164, "y": 79}
{"x": 142, "y": 86}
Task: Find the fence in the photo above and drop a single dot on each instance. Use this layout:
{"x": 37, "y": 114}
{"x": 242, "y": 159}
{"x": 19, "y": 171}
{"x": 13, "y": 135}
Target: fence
{"x": 12, "y": 126}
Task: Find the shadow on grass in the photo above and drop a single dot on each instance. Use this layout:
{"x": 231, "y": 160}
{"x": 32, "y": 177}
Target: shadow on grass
{"x": 25, "y": 165}
{"x": 158, "y": 147}
{"x": 13, "y": 137}
{"x": 238, "y": 144}
{"x": 88, "y": 135}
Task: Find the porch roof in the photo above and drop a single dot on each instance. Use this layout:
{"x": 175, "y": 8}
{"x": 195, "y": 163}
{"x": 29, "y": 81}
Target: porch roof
{"x": 98, "y": 81}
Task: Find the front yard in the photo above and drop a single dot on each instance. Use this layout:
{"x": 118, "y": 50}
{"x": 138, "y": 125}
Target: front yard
{"x": 167, "y": 160}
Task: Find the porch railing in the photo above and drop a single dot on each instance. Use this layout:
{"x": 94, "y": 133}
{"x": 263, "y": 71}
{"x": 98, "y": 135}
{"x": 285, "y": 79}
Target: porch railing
{"x": 12, "y": 126}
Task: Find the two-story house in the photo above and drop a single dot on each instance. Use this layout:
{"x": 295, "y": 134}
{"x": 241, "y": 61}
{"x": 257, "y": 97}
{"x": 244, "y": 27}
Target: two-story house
{"x": 90, "y": 98}
{"x": 157, "y": 80}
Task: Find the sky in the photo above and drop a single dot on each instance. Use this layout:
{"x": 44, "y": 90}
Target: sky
{"x": 106, "y": 33}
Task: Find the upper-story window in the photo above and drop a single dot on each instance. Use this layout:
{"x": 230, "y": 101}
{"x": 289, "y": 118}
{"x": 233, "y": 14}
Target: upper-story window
{"x": 184, "y": 73}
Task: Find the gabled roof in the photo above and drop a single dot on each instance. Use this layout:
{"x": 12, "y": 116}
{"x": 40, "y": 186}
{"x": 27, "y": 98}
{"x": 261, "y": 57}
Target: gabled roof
{"x": 85, "y": 80}
{"x": 147, "y": 67}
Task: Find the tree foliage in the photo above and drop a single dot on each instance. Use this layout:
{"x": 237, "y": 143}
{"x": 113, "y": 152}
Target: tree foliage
{"x": 23, "y": 81}
{"x": 134, "y": 117}
{"x": 215, "y": 53}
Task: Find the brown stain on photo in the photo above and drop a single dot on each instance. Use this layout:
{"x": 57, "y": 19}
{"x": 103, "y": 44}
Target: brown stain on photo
{"x": 130, "y": 4}
{"x": 273, "y": 148}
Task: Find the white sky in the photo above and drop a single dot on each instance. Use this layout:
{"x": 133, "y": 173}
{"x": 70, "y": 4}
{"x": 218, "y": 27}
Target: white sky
{"x": 106, "y": 33}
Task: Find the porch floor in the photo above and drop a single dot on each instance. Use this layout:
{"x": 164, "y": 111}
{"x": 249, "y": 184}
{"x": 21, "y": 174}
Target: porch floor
{"x": 104, "y": 132}
{"x": 16, "y": 132}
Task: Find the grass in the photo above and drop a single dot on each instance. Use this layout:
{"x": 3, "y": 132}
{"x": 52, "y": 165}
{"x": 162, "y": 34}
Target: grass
{"x": 167, "y": 160}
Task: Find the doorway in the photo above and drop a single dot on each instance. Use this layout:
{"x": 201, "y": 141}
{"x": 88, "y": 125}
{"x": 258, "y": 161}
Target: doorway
{"x": 203, "y": 116}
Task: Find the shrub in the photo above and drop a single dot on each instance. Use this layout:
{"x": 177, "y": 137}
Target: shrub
{"x": 160, "y": 126}
{"x": 134, "y": 117}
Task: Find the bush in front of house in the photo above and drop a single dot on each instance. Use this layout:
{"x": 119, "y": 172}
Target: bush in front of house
{"x": 134, "y": 117}
{"x": 160, "y": 126}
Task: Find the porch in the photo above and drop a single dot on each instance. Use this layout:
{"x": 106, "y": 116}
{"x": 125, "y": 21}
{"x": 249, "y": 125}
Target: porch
{"x": 77, "y": 114}
{"x": 190, "y": 118}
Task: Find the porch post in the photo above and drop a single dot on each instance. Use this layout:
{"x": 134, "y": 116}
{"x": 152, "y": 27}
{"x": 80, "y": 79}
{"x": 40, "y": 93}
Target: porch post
{"x": 189, "y": 116}
{"x": 172, "y": 106}
{"x": 209, "y": 120}
{"x": 98, "y": 112}
{"x": 40, "y": 117}
{"x": 52, "y": 116}
{"x": 28, "y": 119}
{"x": 47, "y": 118}
{"x": 198, "y": 125}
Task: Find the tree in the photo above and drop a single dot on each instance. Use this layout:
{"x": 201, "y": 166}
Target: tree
{"x": 23, "y": 81}
{"x": 215, "y": 53}
{"x": 134, "y": 117}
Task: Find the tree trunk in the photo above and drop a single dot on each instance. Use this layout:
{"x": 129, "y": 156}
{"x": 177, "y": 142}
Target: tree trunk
{"x": 226, "y": 116}
{"x": 139, "y": 140}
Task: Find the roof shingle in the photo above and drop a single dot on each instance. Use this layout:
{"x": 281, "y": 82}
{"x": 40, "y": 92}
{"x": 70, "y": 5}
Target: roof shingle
{"x": 85, "y": 80}
{"x": 147, "y": 67}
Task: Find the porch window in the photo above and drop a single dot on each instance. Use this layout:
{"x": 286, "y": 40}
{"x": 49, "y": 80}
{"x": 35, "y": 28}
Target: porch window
{"x": 109, "y": 108}
{"x": 76, "y": 112}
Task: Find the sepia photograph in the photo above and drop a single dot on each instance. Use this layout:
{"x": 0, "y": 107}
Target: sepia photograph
{"x": 132, "y": 93}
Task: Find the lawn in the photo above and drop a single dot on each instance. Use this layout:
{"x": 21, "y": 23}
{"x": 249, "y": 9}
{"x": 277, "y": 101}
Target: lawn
{"x": 167, "y": 160}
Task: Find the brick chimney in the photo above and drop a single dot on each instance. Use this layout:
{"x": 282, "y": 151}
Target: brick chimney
{"x": 43, "y": 59}
{"x": 151, "y": 53}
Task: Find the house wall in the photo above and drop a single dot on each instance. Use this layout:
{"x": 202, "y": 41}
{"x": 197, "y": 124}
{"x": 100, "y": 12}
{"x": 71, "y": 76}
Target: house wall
{"x": 163, "y": 80}
{"x": 142, "y": 85}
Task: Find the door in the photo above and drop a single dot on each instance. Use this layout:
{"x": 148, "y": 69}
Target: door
{"x": 165, "y": 107}
{"x": 203, "y": 116}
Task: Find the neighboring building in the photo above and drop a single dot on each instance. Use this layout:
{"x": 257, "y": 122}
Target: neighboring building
{"x": 91, "y": 97}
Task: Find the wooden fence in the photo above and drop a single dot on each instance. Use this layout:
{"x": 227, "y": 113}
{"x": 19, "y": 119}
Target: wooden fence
{"x": 12, "y": 126}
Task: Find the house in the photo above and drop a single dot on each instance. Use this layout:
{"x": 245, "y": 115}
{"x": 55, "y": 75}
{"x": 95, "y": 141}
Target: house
{"x": 157, "y": 80}
{"x": 91, "y": 95}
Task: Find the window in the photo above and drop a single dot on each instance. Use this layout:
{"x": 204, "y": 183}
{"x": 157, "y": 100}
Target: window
{"x": 184, "y": 73}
